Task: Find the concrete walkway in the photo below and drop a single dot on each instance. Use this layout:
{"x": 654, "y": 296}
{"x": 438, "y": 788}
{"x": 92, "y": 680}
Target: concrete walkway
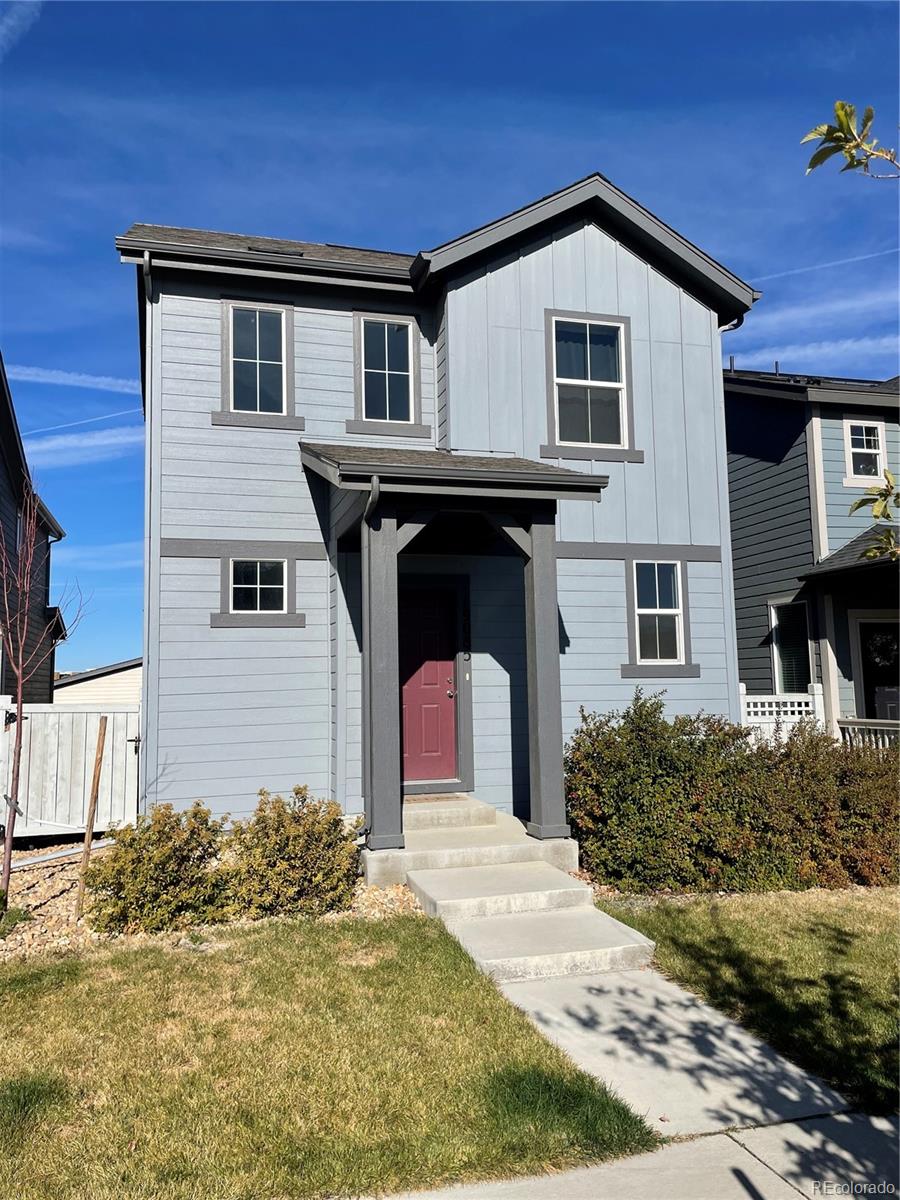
{"x": 813, "y": 1158}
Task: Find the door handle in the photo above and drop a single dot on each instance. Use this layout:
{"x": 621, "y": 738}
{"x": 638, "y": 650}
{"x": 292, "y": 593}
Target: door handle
{"x": 450, "y": 694}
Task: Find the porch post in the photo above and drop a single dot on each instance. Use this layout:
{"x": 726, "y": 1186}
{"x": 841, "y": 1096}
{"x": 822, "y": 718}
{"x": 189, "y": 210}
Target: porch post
{"x": 545, "y": 749}
{"x": 382, "y": 788}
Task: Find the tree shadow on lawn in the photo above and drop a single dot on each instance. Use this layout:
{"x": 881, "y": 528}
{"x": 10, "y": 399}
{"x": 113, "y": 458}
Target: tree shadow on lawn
{"x": 23, "y": 1100}
{"x": 827, "y": 1023}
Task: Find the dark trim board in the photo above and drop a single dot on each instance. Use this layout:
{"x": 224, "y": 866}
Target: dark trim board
{"x": 238, "y": 548}
{"x": 644, "y": 550}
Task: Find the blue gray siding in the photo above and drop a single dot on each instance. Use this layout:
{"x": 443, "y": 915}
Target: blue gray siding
{"x": 771, "y": 520}
{"x": 838, "y": 498}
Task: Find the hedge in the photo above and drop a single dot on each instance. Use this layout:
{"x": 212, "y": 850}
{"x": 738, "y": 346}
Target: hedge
{"x": 698, "y": 804}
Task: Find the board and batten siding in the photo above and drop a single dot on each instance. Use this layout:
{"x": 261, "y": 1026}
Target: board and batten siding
{"x": 771, "y": 521}
{"x": 838, "y": 498}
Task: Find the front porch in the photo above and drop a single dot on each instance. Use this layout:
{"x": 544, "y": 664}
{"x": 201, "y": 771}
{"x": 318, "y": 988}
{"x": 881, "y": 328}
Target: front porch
{"x": 419, "y": 539}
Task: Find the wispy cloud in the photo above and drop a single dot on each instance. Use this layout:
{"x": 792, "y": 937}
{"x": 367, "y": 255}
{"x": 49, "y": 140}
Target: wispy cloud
{"x": 822, "y": 355}
{"x": 836, "y": 262}
{"x": 77, "y": 449}
{"x": 77, "y": 379}
{"x": 15, "y": 21}
{"x": 106, "y": 556}
{"x": 842, "y": 307}
{"x": 122, "y": 412}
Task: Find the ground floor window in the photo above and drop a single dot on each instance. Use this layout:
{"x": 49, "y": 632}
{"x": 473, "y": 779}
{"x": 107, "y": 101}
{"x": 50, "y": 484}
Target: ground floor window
{"x": 657, "y": 587}
{"x": 790, "y": 644}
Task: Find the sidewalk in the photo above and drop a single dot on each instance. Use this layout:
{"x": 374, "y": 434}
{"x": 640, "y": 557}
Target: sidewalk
{"x": 813, "y": 1158}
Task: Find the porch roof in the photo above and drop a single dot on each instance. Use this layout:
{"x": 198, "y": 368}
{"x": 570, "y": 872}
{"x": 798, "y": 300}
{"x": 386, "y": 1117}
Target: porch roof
{"x": 849, "y": 557}
{"x": 402, "y": 469}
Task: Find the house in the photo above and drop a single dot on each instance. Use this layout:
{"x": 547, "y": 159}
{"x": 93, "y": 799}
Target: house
{"x": 116, "y": 683}
{"x": 44, "y": 620}
{"x": 406, "y": 513}
{"x": 810, "y": 608}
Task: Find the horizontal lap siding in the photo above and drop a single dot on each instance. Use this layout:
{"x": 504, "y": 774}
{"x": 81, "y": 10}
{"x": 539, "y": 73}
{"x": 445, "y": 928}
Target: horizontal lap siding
{"x": 239, "y": 709}
{"x": 841, "y": 525}
{"x": 771, "y": 521}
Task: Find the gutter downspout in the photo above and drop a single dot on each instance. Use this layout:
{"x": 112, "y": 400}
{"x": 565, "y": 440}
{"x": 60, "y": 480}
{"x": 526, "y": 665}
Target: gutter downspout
{"x": 374, "y": 495}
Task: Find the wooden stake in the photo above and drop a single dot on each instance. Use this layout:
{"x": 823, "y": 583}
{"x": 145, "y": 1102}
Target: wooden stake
{"x": 91, "y": 814}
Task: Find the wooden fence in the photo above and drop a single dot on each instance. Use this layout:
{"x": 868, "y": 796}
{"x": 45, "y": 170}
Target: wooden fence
{"x": 58, "y": 748}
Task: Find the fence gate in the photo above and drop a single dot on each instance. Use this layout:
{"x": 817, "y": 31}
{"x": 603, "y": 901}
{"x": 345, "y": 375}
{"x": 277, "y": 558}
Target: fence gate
{"x": 58, "y": 747}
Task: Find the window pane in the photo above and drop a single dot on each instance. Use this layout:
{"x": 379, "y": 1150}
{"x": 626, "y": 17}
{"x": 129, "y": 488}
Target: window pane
{"x": 604, "y": 340}
{"x": 647, "y": 647}
{"x": 373, "y": 343}
{"x": 270, "y": 336}
{"x": 271, "y": 388}
{"x": 243, "y": 337}
{"x": 667, "y": 637}
{"x": 243, "y": 599}
{"x": 573, "y": 414}
{"x": 244, "y": 573}
{"x": 397, "y": 348}
{"x": 645, "y": 574}
{"x": 271, "y": 573}
{"x": 244, "y": 397}
{"x": 792, "y": 648}
{"x": 606, "y": 427}
{"x": 571, "y": 350}
{"x": 865, "y": 463}
{"x": 864, "y": 437}
{"x": 375, "y": 401}
{"x": 668, "y": 585}
{"x": 398, "y": 397}
{"x": 271, "y": 599}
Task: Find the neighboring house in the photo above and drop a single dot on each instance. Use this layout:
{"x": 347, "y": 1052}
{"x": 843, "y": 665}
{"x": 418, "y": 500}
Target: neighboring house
{"x": 407, "y": 513}
{"x": 809, "y": 608}
{"x": 15, "y": 480}
{"x": 118, "y": 683}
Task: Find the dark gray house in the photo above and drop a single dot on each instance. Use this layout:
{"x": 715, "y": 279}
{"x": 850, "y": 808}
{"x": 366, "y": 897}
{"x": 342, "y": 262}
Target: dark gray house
{"x": 15, "y": 481}
{"x": 407, "y": 512}
{"x": 810, "y": 608}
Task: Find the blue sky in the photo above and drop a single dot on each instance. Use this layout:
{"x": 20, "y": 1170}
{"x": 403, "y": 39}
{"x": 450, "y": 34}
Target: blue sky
{"x": 399, "y": 126}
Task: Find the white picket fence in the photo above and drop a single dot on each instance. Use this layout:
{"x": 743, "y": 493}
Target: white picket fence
{"x": 59, "y": 744}
{"x": 767, "y": 713}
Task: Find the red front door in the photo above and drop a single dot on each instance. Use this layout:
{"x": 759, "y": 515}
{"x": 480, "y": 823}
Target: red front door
{"x": 428, "y": 637}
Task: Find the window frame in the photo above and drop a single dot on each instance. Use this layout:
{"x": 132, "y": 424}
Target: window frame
{"x": 684, "y": 556}
{"x": 775, "y": 603}
{"x": 227, "y": 414}
{"x": 864, "y": 481}
{"x": 414, "y": 427}
{"x": 678, "y": 613}
{"x": 257, "y": 612}
{"x": 625, "y": 450}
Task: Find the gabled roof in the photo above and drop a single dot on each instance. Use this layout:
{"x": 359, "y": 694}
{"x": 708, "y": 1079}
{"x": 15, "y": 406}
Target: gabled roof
{"x": 592, "y": 198}
{"x": 13, "y": 453}
{"x": 822, "y": 389}
{"x": 850, "y": 556}
{"x": 129, "y": 664}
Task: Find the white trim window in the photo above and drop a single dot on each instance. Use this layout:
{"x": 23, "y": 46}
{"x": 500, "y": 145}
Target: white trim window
{"x": 258, "y": 585}
{"x": 257, "y": 360}
{"x": 589, "y": 382}
{"x": 864, "y": 458}
{"x": 387, "y": 358}
{"x": 659, "y": 611}
{"x": 789, "y": 622}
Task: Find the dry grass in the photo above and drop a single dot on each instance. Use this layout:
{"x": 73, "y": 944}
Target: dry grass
{"x": 814, "y": 973}
{"x": 285, "y": 1060}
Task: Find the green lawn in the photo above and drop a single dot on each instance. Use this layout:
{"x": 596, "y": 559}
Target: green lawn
{"x": 287, "y": 1060}
{"x": 814, "y": 973}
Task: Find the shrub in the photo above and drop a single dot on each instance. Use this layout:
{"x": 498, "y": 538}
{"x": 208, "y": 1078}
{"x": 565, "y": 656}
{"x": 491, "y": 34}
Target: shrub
{"x": 697, "y": 804}
{"x": 160, "y": 873}
{"x": 293, "y": 856}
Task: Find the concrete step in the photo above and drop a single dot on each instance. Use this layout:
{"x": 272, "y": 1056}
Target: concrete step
{"x": 537, "y": 945}
{"x": 447, "y": 812}
{"x": 456, "y": 893}
{"x": 466, "y": 846}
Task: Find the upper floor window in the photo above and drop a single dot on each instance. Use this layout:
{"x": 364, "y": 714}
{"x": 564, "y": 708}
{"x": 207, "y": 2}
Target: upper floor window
{"x": 257, "y": 360}
{"x": 386, "y": 370}
{"x": 258, "y": 586}
{"x": 863, "y": 452}
{"x": 660, "y": 613}
{"x": 589, "y": 382}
